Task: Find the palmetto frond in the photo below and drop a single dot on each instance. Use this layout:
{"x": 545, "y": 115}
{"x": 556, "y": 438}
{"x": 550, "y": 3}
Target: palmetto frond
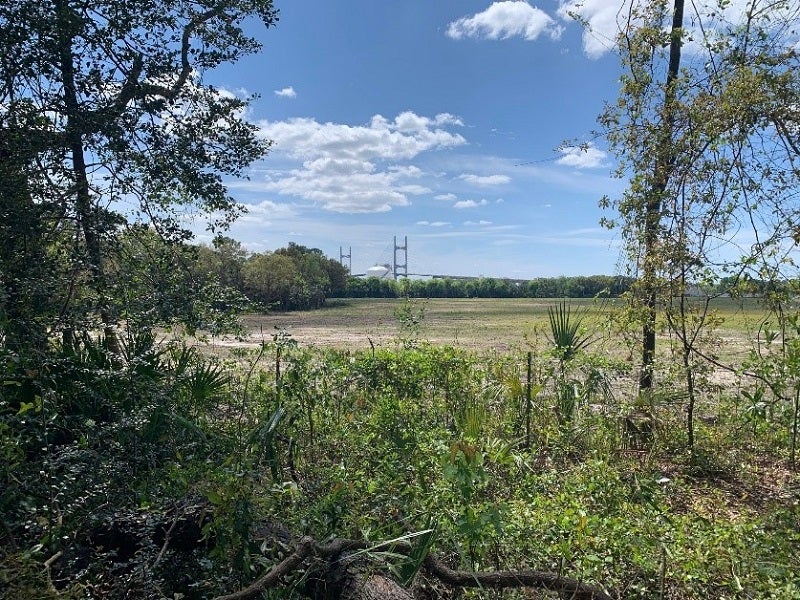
{"x": 566, "y": 331}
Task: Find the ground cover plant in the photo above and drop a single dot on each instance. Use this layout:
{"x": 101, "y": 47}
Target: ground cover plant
{"x": 210, "y": 484}
{"x": 640, "y": 447}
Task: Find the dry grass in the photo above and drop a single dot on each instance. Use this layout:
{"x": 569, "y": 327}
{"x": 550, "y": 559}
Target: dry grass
{"x": 475, "y": 323}
{"x": 499, "y": 325}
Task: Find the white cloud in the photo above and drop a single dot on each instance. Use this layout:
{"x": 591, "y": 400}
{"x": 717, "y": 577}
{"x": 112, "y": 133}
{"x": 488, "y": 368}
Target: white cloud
{"x": 445, "y": 197}
{"x": 382, "y": 139}
{"x": 480, "y": 223}
{"x": 357, "y": 168}
{"x": 266, "y": 209}
{"x": 407, "y": 170}
{"x": 605, "y": 19}
{"x": 601, "y": 18}
{"x": 484, "y": 180}
{"x": 506, "y": 19}
{"x": 408, "y": 122}
{"x": 582, "y": 157}
{"x": 434, "y": 223}
{"x": 287, "y": 92}
{"x": 462, "y": 204}
{"x": 416, "y": 190}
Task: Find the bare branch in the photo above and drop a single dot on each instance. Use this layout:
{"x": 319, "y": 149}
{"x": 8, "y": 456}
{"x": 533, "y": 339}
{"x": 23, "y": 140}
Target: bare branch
{"x": 514, "y": 579}
{"x": 307, "y": 548}
{"x": 288, "y": 565}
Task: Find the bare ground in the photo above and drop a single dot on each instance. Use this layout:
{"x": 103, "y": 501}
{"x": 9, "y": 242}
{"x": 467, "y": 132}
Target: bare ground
{"x": 470, "y": 323}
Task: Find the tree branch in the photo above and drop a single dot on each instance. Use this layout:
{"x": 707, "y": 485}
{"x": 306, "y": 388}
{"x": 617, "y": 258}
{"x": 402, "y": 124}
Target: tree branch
{"x": 307, "y": 547}
{"x": 289, "y": 564}
{"x": 169, "y": 93}
{"x": 514, "y": 579}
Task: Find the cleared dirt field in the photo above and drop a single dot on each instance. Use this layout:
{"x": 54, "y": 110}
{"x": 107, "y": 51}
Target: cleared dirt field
{"x": 481, "y": 324}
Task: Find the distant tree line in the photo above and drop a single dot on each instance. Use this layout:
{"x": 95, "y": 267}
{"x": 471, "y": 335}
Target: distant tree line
{"x": 204, "y": 282}
{"x": 746, "y": 286}
{"x": 489, "y": 287}
{"x": 301, "y": 278}
{"x": 291, "y": 278}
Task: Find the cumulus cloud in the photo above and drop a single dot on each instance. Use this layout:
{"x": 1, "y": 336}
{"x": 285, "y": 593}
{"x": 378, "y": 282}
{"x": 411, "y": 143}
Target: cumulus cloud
{"x": 345, "y": 186}
{"x": 357, "y": 168}
{"x": 287, "y": 92}
{"x": 480, "y": 223}
{"x": 483, "y": 181}
{"x": 381, "y": 139}
{"x": 433, "y": 223}
{"x": 506, "y": 19}
{"x": 408, "y": 122}
{"x": 582, "y": 157}
{"x": 445, "y": 197}
{"x": 602, "y": 22}
{"x": 462, "y": 204}
{"x": 604, "y": 19}
{"x": 267, "y": 209}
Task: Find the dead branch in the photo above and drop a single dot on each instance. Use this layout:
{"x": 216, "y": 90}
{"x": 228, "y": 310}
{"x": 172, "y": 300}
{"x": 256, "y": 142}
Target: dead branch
{"x": 168, "y": 535}
{"x": 48, "y": 564}
{"x": 514, "y": 579}
{"x": 288, "y": 565}
{"x": 307, "y": 548}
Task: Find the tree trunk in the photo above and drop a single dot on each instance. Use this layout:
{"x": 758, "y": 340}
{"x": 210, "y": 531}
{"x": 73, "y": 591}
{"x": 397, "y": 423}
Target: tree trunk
{"x": 372, "y": 587}
{"x": 87, "y": 215}
{"x": 350, "y": 579}
{"x": 652, "y": 222}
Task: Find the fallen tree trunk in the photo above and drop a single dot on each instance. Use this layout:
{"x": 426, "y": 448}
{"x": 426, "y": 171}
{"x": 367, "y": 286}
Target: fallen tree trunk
{"x": 342, "y": 580}
{"x": 354, "y": 583}
{"x": 349, "y": 576}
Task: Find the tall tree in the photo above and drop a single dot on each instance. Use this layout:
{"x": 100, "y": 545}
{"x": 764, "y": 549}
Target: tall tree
{"x": 710, "y": 152}
{"x": 644, "y": 102}
{"x": 274, "y": 280}
{"x": 105, "y": 118}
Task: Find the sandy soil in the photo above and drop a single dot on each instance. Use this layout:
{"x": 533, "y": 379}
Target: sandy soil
{"x": 477, "y": 324}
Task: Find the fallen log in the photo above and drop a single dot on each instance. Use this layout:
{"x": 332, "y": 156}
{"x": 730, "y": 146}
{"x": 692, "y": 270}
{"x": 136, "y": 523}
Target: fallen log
{"x": 341, "y": 580}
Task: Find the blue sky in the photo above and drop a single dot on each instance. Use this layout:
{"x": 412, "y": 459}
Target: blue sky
{"x": 440, "y": 121}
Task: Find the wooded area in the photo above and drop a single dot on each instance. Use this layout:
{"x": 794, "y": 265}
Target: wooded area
{"x": 301, "y": 278}
{"x": 136, "y": 463}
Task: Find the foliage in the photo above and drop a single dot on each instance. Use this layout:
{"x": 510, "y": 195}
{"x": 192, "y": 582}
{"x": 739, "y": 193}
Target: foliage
{"x": 700, "y": 170}
{"x": 135, "y": 466}
{"x": 567, "y": 334}
{"x": 291, "y": 278}
{"x": 776, "y": 366}
{"x": 368, "y": 444}
{"x": 713, "y": 168}
{"x": 410, "y": 315}
{"x": 155, "y": 283}
{"x": 106, "y": 121}
{"x": 487, "y": 287}
{"x": 569, "y": 338}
